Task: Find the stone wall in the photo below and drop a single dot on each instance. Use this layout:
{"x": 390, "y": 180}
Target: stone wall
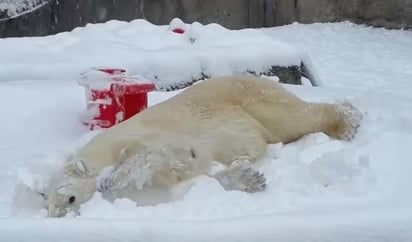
{"x": 64, "y": 15}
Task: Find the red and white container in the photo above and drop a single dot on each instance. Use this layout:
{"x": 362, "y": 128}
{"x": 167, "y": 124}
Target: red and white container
{"x": 112, "y": 96}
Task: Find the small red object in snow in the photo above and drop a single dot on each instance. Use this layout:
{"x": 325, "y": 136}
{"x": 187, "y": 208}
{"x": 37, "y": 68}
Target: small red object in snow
{"x": 112, "y": 104}
{"x": 178, "y": 30}
{"x": 112, "y": 71}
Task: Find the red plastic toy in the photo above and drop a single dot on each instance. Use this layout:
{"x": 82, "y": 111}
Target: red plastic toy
{"x": 178, "y": 30}
{"x": 118, "y": 100}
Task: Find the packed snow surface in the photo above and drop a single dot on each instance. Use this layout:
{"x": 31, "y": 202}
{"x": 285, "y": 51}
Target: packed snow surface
{"x": 319, "y": 189}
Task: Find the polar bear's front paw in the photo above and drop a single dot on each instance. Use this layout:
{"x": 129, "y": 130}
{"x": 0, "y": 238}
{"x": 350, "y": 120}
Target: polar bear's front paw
{"x": 242, "y": 178}
{"x": 116, "y": 180}
{"x": 106, "y": 183}
{"x": 253, "y": 180}
{"x": 350, "y": 121}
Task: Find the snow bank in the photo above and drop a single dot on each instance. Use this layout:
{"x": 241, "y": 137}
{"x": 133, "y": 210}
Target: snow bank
{"x": 153, "y": 52}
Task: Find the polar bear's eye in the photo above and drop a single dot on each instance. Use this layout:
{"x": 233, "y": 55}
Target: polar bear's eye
{"x": 43, "y": 195}
{"x": 72, "y": 199}
{"x": 192, "y": 153}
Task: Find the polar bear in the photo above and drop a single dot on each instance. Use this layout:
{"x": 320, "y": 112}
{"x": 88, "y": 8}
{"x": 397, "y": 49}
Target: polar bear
{"x": 227, "y": 119}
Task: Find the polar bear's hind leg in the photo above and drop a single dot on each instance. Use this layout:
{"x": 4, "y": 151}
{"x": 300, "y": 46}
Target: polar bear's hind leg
{"x": 289, "y": 121}
{"x": 349, "y": 121}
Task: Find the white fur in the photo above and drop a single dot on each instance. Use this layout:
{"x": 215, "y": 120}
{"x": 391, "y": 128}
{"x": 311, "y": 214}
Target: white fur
{"x": 228, "y": 119}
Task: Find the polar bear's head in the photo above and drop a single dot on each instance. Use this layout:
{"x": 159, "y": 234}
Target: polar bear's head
{"x": 74, "y": 188}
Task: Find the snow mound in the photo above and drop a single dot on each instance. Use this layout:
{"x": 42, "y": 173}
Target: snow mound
{"x": 143, "y": 49}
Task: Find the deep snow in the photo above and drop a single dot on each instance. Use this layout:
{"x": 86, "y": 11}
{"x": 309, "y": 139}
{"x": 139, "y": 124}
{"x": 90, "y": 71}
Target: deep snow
{"x": 319, "y": 189}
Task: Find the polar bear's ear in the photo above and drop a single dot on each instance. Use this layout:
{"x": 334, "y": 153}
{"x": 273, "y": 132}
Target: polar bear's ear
{"x": 81, "y": 167}
{"x": 123, "y": 153}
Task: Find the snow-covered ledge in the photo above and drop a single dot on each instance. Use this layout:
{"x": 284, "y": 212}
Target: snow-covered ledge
{"x": 154, "y": 52}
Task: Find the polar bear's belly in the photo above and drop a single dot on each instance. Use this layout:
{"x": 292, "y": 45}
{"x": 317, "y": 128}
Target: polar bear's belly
{"x": 235, "y": 138}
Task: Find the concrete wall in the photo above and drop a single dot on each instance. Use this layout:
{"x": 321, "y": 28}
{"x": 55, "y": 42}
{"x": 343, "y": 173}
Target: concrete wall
{"x": 381, "y": 13}
{"x": 64, "y": 15}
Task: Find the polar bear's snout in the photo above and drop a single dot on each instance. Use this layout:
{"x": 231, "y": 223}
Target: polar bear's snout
{"x": 54, "y": 211}
{"x": 61, "y": 202}
{"x": 69, "y": 195}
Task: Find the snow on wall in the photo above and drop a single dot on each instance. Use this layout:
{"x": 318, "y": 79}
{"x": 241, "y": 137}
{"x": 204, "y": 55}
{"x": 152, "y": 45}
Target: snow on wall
{"x": 13, "y": 8}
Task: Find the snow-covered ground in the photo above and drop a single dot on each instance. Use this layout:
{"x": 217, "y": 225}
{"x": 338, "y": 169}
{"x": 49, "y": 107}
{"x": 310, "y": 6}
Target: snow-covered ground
{"x": 318, "y": 189}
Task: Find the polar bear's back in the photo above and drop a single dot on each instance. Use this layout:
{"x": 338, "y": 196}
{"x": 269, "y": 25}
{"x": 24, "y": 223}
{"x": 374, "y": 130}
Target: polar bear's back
{"x": 235, "y": 90}
{"x": 216, "y": 97}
